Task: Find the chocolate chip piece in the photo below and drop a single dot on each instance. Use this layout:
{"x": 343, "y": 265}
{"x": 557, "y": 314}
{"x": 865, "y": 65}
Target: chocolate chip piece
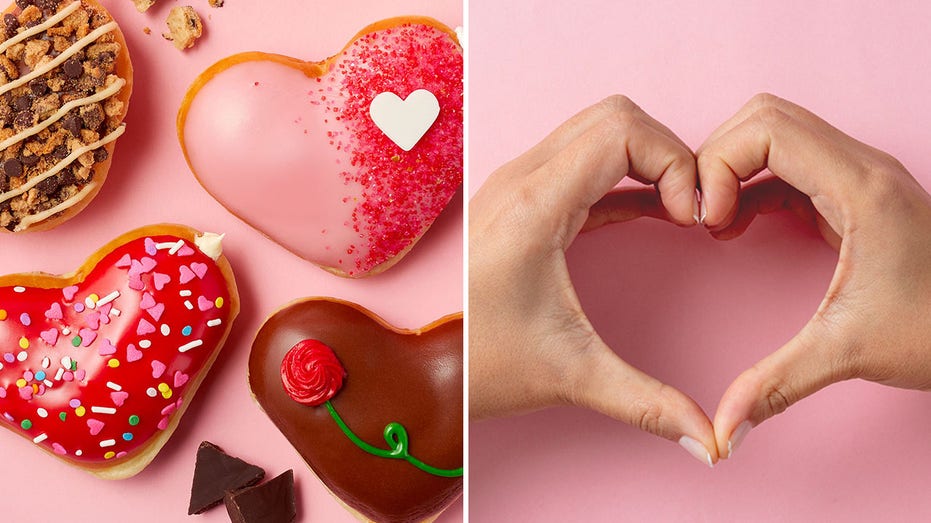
{"x": 271, "y": 501}
{"x": 4, "y": 183}
{"x": 23, "y": 4}
{"x": 49, "y": 186}
{"x": 61, "y": 152}
{"x": 72, "y": 124}
{"x": 39, "y": 87}
{"x": 11, "y": 23}
{"x": 67, "y": 178}
{"x": 216, "y": 472}
{"x": 47, "y": 5}
{"x": 22, "y": 103}
{"x": 101, "y": 155}
{"x": 23, "y": 119}
{"x": 30, "y": 160}
{"x": 73, "y": 68}
{"x": 13, "y": 168}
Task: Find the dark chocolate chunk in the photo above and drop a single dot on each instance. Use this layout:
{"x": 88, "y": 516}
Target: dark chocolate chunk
{"x": 101, "y": 155}
{"x": 67, "y": 177}
{"x": 93, "y": 116}
{"x": 39, "y": 87}
{"x": 216, "y": 472}
{"x": 23, "y": 4}
{"x": 270, "y": 502}
{"x": 24, "y": 119}
{"x": 47, "y": 5}
{"x": 49, "y": 186}
{"x": 61, "y": 152}
{"x": 10, "y": 23}
{"x": 72, "y": 124}
{"x": 13, "y": 168}
{"x": 30, "y": 160}
{"x": 73, "y": 68}
{"x": 22, "y": 103}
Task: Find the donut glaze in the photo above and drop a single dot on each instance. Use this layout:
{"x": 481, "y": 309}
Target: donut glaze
{"x": 410, "y": 377}
{"x": 290, "y": 147}
{"x": 98, "y": 366}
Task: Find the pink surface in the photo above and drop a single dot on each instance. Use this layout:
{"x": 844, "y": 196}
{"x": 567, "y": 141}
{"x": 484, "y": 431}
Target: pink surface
{"x": 149, "y": 183}
{"x": 676, "y": 303}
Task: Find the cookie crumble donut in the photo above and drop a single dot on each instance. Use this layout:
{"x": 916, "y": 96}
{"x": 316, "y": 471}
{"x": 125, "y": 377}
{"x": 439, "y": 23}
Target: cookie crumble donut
{"x": 65, "y": 83}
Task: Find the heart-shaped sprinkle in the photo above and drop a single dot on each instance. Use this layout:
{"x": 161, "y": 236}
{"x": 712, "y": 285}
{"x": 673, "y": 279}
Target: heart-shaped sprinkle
{"x": 144, "y": 327}
{"x": 93, "y": 320}
{"x": 95, "y": 426}
{"x": 106, "y": 348}
{"x": 204, "y": 304}
{"x": 156, "y": 311}
{"x": 87, "y": 337}
{"x": 119, "y": 397}
{"x": 122, "y": 263}
{"x": 200, "y": 269}
{"x": 54, "y": 312}
{"x": 50, "y": 336}
{"x": 180, "y": 378}
{"x": 150, "y": 248}
{"x": 132, "y": 353}
{"x": 160, "y": 280}
{"x": 186, "y": 275}
{"x": 148, "y": 301}
{"x": 186, "y": 250}
{"x": 405, "y": 121}
{"x": 158, "y": 369}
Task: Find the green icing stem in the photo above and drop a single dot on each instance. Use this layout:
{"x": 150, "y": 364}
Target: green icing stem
{"x": 396, "y": 437}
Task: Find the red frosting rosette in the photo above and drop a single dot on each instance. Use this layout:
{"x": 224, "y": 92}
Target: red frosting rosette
{"x": 311, "y": 373}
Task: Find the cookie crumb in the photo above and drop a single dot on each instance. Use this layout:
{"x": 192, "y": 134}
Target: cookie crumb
{"x": 216, "y": 3}
{"x": 143, "y": 5}
{"x": 146, "y": 30}
{"x": 184, "y": 27}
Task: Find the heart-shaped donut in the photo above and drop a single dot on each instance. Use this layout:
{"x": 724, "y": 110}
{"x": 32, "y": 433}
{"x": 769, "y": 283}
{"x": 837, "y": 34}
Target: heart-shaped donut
{"x": 98, "y": 366}
{"x": 346, "y": 162}
{"x": 375, "y": 411}
{"x": 65, "y": 83}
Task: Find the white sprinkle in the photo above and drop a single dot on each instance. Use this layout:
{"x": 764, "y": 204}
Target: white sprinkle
{"x": 48, "y": 383}
{"x": 151, "y": 392}
{"x": 189, "y": 305}
{"x": 1, "y": 366}
{"x": 59, "y": 373}
{"x": 164, "y": 245}
{"x": 78, "y": 453}
{"x": 46, "y": 362}
{"x": 185, "y": 293}
{"x": 42, "y": 412}
{"x": 66, "y": 362}
{"x": 91, "y": 304}
{"x": 214, "y": 322}
{"x": 108, "y": 298}
{"x": 176, "y": 247}
{"x": 19, "y": 289}
{"x": 8, "y": 416}
{"x": 145, "y": 344}
{"x": 22, "y": 356}
{"x": 103, "y": 410}
{"x": 66, "y": 331}
{"x": 107, "y": 443}
{"x": 40, "y": 438}
{"x": 190, "y": 345}
{"x": 166, "y": 330}
{"x": 115, "y": 312}
{"x": 114, "y": 386}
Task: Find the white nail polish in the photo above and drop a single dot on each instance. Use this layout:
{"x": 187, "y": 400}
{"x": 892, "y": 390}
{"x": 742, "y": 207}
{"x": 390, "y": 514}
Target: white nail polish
{"x": 696, "y": 449}
{"x": 704, "y": 212}
{"x": 695, "y": 208}
{"x": 737, "y": 437}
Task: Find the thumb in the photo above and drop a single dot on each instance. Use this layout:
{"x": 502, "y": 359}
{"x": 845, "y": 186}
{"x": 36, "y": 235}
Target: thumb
{"x": 801, "y": 367}
{"x": 615, "y": 388}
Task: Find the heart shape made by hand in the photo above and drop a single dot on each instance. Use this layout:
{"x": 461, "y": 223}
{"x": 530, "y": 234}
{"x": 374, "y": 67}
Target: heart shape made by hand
{"x": 98, "y": 366}
{"x": 346, "y": 162}
{"x": 388, "y": 441}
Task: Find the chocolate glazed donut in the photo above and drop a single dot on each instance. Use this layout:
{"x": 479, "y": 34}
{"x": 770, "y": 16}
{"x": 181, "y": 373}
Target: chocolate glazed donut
{"x": 413, "y": 378}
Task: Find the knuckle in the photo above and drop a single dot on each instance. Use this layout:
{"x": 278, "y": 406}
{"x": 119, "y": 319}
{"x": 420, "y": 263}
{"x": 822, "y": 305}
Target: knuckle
{"x": 619, "y": 103}
{"x": 764, "y": 99}
{"x": 771, "y": 115}
{"x": 648, "y": 416}
{"x": 776, "y": 399}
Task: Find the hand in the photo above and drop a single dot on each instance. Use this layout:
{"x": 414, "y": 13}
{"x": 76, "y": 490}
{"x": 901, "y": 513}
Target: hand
{"x": 531, "y": 345}
{"x": 874, "y": 321}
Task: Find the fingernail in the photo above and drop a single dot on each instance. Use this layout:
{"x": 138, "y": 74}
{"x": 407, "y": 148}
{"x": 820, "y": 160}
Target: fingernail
{"x": 695, "y": 207}
{"x": 696, "y": 449}
{"x": 737, "y": 437}
{"x": 704, "y": 212}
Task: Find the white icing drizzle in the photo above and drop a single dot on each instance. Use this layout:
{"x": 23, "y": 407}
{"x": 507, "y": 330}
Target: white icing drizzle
{"x": 36, "y": 29}
{"x": 60, "y": 59}
{"x": 37, "y": 128}
{"x": 210, "y": 244}
{"x": 27, "y": 221}
{"x": 62, "y": 164}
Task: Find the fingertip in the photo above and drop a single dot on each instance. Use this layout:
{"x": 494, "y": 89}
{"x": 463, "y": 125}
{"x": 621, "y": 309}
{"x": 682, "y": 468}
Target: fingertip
{"x": 719, "y": 190}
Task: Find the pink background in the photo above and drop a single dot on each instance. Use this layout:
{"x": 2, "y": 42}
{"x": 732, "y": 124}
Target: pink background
{"x": 150, "y": 183}
{"x": 675, "y": 302}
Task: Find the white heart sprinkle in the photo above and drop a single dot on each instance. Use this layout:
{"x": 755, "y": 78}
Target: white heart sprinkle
{"x": 405, "y": 121}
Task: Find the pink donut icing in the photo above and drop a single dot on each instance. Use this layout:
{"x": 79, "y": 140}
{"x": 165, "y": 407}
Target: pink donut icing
{"x": 290, "y": 147}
